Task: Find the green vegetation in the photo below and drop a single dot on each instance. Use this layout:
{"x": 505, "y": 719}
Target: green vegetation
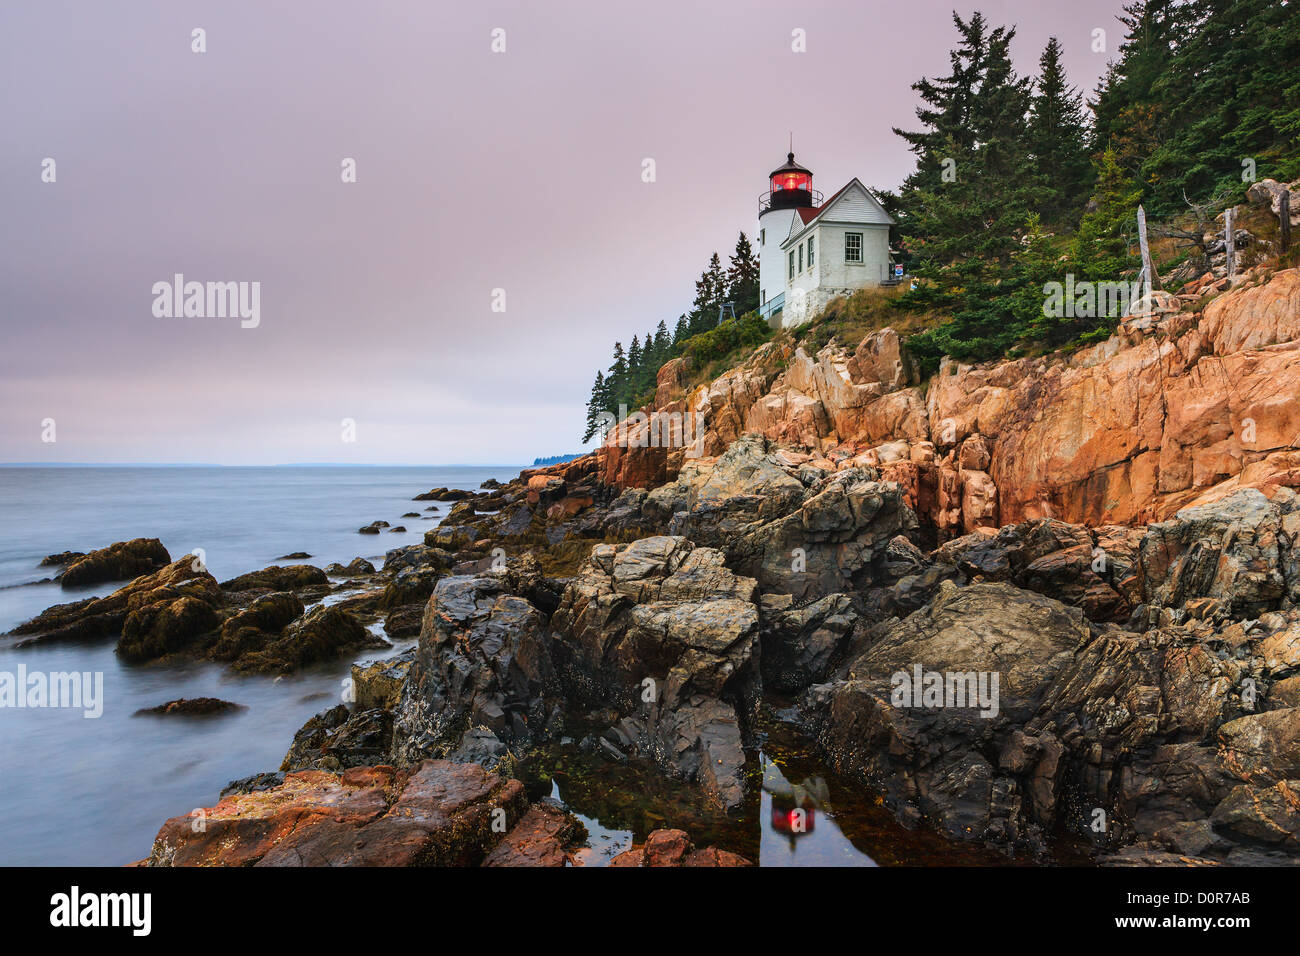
{"x": 1011, "y": 192}
{"x": 630, "y": 379}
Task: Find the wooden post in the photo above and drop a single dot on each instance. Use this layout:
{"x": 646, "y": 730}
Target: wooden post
{"x": 1148, "y": 267}
{"x": 1230, "y": 243}
{"x": 1284, "y": 210}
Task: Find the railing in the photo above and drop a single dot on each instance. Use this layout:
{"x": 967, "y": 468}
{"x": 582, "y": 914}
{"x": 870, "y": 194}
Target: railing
{"x": 765, "y": 199}
{"x": 771, "y": 307}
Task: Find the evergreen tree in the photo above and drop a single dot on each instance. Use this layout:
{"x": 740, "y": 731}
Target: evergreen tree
{"x": 742, "y": 277}
{"x": 709, "y": 293}
{"x": 1057, "y": 139}
{"x": 1103, "y": 243}
{"x": 635, "y": 366}
{"x": 964, "y": 222}
{"x": 595, "y": 406}
{"x": 1229, "y": 87}
{"x": 1125, "y": 100}
{"x": 663, "y": 341}
{"x": 616, "y": 379}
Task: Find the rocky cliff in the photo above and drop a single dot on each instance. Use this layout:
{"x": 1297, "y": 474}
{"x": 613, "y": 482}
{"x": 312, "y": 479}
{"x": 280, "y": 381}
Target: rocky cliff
{"x": 1196, "y": 395}
{"x": 1052, "y": 599}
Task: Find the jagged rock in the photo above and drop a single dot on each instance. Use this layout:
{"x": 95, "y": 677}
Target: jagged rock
{"x": 256, "y": 625}
{"x": 483, "y": 660}
{"x": 936, "y": 760}
{"x": 118, "y": 562}
{"x": 1263, "y": 748}
{"x": 444, "y": 494}
{"x": 799, "y": 645}
{"x": 1229, "y": 550}
{"x": 416, "y": 556}
{"x": 164, "y": 627}
{"x": 191, "y": 706}
{"x": 61, "y": 558}
{"x": 436, "y": 814}
{"x": 379, "y": 684}
{"x": 830, "y": 542}
{"x": 289, "y": 577}
{"x": 674, "y": 848}
{"x": 404, "y": 621}
{"x": 337, "y": 738}
{"x": 322, "y": 634}
{"x": 664, "y": 634}
{"x": 104, "y": 617}
{"x": 539, "y": 839}
{"x": 410, "y": 585}
{"x": 1264, "y": 814}
{"x": 355, "y": 568}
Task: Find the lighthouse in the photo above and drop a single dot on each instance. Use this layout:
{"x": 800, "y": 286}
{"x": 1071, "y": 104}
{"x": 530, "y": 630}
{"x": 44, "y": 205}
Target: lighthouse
{"x": 790, "y": 189}
{"x": 813, "y": 252}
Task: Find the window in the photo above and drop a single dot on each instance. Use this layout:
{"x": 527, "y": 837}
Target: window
{"x": 791, "y": 263}
{"x": 801, "y": 257}
{"x": 811, "y": 240}
{"x": 762, "y": 237}
{"x": 853, "y": 247}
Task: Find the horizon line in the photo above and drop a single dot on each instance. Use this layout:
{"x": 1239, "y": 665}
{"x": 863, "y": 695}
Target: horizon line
{"x": 286, "y": 464}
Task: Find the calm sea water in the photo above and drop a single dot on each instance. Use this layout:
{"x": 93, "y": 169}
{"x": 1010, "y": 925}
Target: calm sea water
{"x": 94, "y": 791}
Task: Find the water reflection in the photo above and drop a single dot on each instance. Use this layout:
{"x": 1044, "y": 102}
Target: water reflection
{"x": 789, "y": 815}
{"x": 799, "y": 812}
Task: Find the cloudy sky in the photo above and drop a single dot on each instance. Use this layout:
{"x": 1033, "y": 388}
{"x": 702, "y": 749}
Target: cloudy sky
{"x": 475, "y": 171}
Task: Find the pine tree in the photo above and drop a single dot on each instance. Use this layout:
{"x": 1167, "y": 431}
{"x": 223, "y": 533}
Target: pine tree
{"x": 1103, "y": 244}
{"x": 742, "y": 277}
{"x": 709, "y": 292}
{"x": 634, "y": 367}
{"x": 1057, "y": 139}
{"x": 1130, "y": 111}
{"x": 595, "y": 406}
{"x": 963, "y": 228}
{"x": 946, "y": 120}
{"x": 663, "y": 341}
{"x": 616, "y": 380}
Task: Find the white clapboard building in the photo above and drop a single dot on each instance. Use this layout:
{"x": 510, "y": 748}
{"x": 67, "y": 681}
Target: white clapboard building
{"x": 812, "y": 250}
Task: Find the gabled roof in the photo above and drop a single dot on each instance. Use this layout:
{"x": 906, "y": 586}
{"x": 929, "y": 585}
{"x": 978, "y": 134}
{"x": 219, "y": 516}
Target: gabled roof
{"x": 808, "y": 215}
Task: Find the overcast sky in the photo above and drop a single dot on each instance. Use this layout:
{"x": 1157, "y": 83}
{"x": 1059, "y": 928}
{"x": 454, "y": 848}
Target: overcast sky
{"x": 475, "y": 171}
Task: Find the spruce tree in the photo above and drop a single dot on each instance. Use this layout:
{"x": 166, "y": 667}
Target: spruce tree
{"x": 616, "y": 380}
{"x": 1057, "y": 139}
{"x": 595, "y": 406}
{"x": 742, "y": 277}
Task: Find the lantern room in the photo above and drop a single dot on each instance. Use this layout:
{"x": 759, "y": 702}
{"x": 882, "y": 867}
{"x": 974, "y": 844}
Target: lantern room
{"x": 791, "y": 186}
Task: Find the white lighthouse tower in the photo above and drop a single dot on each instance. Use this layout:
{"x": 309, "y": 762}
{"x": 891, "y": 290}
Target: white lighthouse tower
{"x": 790, "y": 190}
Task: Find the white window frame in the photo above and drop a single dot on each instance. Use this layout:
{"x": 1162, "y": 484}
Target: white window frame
{"x": 861, "y": 259}
{"x": 810, "y": 252}
{"x": 791, "y": 264}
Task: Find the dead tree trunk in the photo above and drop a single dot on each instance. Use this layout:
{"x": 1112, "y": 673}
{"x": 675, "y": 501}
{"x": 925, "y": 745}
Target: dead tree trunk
{"x": 1284, "y": 210}
{"x": 1229, "y": 242}
{"x": 1148, "y": 267}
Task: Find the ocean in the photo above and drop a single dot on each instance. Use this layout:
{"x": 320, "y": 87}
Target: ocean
{"x": 75, "y": 790}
